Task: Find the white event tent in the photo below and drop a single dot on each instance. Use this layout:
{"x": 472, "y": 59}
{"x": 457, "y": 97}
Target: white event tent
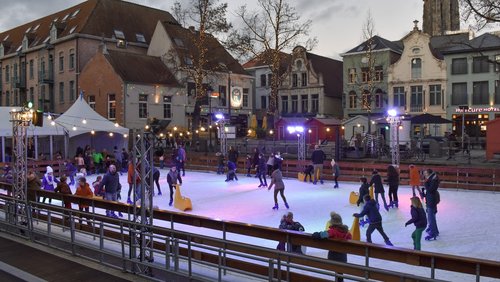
{"x": 80, "y": 118}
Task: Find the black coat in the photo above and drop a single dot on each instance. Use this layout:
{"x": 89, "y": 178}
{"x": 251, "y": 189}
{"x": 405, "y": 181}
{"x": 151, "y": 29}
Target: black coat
{"x": 262, "y": 165}
{"x": 233, "y": 156}
{"x": 418, "y": 217}
{"x": 376, "y": 181}
{"x": 318, "y": 157}
{"x": 431, "y": 190}
{"x": 393, "y": 179}
{"x": 363, "y": 190}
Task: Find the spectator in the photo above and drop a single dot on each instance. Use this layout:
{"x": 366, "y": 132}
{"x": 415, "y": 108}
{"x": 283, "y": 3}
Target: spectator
{"x": 49, "y": 182}
{"x": 70, "y": 170}
{"x": 111, "y": 186}
{"x": 336, "y": 230}
{"x": 375, "y": 219}
{"x": 287, "y": 223}
{"x": 97, "y": 187}
{"x": 63, "y": 188}
{"x": 317, "y": 158}
{"x": 83, "y": 190}
{"x": 34, "y": 185}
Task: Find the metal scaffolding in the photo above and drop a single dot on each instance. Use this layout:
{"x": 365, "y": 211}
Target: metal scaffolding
{"x": 395, "y": 122}
{"x": 301, "y": 149}
{"x": 222, "y": 136}
{"x": 142, "y": 237}
{"x": 20, "y": 119}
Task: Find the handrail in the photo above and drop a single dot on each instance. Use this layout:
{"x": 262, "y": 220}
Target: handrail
{"x": 417, "y": 258}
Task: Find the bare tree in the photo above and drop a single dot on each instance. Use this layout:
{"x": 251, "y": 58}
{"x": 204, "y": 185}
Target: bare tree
{"x": 274, "y": 28}
{"x": 208, "y": 17}
{"x": 481, "y": 12}
{"x": 179, "y": 13}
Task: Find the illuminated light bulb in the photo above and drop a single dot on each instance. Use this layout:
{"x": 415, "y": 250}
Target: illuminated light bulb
{"x": 161, "y": 134}
{"x": 49, "y": 117}
{"x": 74, "y": 128}
{"x": 111, "y": 134}
{"x": 180, "y": 134}
{"x": 92, "y": 132}
{"x": 116, "y": 125}
{"x": 327, "y": 129}
{"x": 272, "y": 132}
{"x": 196, "y": 131}
{"x": 188, "y": 133}
{"x": 84, "y": 121}
{"x": 170, "y": 135}
{"x": 52, "y": 123}
{"x": 146, "y": 127}
{"x": 175, "y": 128}
{"x": 125, "y": 135}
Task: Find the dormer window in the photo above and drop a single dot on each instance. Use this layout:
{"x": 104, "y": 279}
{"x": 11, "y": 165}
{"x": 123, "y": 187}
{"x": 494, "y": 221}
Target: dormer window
{"x": 140, "y": 37}
{"x": 119, "y": 34}
{"x": 25, "y": 44}
{"x": 55, "y": 20}
{"x": 75, "y": 13}
{"x": 1, "y": 51}
{"x": 46, "y": 39}
{"x": 53, "y": 33}
{"x": 65, "y": 17}
{"x": 298, "y": 63}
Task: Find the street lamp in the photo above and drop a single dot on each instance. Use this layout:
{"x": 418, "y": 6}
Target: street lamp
{"x": 301, "y": 148}
{"x": 395, "y": 122}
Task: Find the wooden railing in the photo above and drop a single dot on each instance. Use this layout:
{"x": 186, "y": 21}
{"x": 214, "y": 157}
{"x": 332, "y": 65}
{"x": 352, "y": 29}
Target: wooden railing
{"x": 459, "y": 177}
{"x": 415, "y": 258}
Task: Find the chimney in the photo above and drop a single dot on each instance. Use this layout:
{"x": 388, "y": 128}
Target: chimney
{"x": 415, "y": 22}
{"x": 191, "y": 28}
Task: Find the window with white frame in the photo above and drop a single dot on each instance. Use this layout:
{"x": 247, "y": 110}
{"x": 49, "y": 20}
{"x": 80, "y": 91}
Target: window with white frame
{"x": 416, "y": 68}
{"x": 399, "y": 96}
{"x": 459, "y": 93}
{"x": 459, "y": 66}
{"x": 352, "y": 75}
{"x": 315, "y": 103}
{"x": 167, "y": 107}
{"x": 435, "y": 95}
{"x": 366, "y": 100}
{"x": 379, "y": 74}
{"x": 497, "y": 63}
{"x": 416, "y": 99}
{"x": 245, "y": 98}
{"x": 365, "y": 74}
{"x": 111, "y": 106}
{"x": 269, "y": 79}
{"x": 295, "y": 80}
{"x": 304, "y": 79}
{"x": 61, "y": 61}
{"x": 295, "y": 103}
{"x": 263, "y": 82}
{"x": 480, "y": 93}
{"x": 284, "y": 104}
{"x": 61, "y": 92}
{"x": 353, "y": 100}
{"x": 143, "y": 105}
{"x": 91, "y": 101}
{"x": 72, "y": 59}
{"x": 7, "y": 73}
{"x": 304, "y": 101}
{"x": 378, "y": 99}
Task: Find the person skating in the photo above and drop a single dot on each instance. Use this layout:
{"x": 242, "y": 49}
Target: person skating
{"x": 156, "y": 179}
{"x": 370, "y": 209}
{"x": 173, "y": 177}
{"x": 308, "y": 170}
{"x": 317, "y": 158}
{"x": 255, "y": 161}
{"x": 181, "y": 160}
{"x": 220, "y": 163}
{"x": 432, "y": 199}
{"x": 130, "y": 180}
{"x": 248, "y": 165}
{"x": 49, "y": 182}
{"x": 70, "y": 171}
{"x": 231, "y": 171}
{"x": 364, "y": 190}
{"x": 419, "y": 219}
{"x": 393, "y": 182}
{"x": 336, "y": 172}
{"x": 279, "y": 187}
{"x": 415, "y": 181}
{"x": 376, "y": 181}
{"x": 336, "y": 230}
{"x": 270, "y": 164}
{"x": 262, "y": 170}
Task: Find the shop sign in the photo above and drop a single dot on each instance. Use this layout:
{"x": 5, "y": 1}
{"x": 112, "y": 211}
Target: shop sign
{"x": 478, "y": 110}
{"x": 236, "y": 97}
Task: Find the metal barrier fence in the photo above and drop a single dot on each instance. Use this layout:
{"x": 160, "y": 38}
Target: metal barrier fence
{"x": 111, "y": 238}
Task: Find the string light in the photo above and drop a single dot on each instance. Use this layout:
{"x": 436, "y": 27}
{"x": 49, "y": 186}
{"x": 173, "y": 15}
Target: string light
{"x": 74, "y": 128}
{"x": 125, "y": 135}
{"x": 84, "y": 121}
{"x": 92, "y": 132}
{"x": 116, "y": 124}
{"x": 52, "y": 123}
{"x": 49, "y": 117}
{"x": 111, "y": 134}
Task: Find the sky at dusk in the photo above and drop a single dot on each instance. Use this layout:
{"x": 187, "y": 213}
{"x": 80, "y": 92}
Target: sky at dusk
{"x": 337, "y": 24}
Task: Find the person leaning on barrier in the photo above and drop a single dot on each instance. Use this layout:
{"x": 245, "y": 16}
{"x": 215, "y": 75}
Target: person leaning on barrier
{"x": 111, "y": 185}
{"x": 34, "y": 184}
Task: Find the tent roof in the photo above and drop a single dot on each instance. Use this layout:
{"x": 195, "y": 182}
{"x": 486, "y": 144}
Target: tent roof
{"x": 79, "y": 111}
{"x": 429, "y": 119}
{"x": 46, "y": 130}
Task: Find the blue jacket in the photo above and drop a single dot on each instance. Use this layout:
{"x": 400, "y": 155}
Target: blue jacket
{"x": 370, "y": 209}
{"x": 363, "y": 190}
{"x": 262, "y": 165}
{"x": 111, "y": 182}
{"x": 418, "y": 217}
{"x": 231, "y": 165}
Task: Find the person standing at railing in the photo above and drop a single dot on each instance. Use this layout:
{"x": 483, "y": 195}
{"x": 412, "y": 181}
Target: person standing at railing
{"x": 415, "y": 181}
{"x": 317, "y": 158}
{"x": 375, "y": 219}
{"x": 110, "y": 184}
{"x": 376, "y": 181}
{"x": 336, "y": 230}
{"x": 279, "y": 187}
{"x": 63, "y": 188}
{"x": 34, "y": 185}
{"x": 418, "y": 218}
{"x": 83, "y": 190}
{"x": 70, "y": 170}
{"x": 393, "y": 182}
{"x": 287, "y": 223}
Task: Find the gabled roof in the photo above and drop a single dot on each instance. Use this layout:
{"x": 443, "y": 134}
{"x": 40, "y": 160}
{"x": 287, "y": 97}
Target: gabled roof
{"x": 332, "y": 71}
{"x": 139, "y": 68}
{"x": 92, "y": 17}
{"x": 183, "y": 40}
{"x": 379, "y": 44}
{"x": 484, "y": 42}
{"x": 263, "y": 60}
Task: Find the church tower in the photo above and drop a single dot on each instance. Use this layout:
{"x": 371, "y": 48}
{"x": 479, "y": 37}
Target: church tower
{"x": 441, "y": 16}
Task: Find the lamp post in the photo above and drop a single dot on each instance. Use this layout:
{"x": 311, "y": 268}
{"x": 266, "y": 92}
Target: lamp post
{"x": 229, "y": 94}
{"x": 395, "y": 121}
{"x": 301, "y": 148}
{"x": 222, "y": 133}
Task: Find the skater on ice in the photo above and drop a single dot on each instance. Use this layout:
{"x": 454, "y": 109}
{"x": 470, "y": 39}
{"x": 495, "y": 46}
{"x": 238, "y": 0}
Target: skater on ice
{"x": 370, "y": 209}
{"x": 279, "y": 187}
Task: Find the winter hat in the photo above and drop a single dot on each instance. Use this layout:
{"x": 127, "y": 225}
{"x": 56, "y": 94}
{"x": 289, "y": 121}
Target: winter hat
{"x": 335, "y": 219}
{"x": 49, "y": 169}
